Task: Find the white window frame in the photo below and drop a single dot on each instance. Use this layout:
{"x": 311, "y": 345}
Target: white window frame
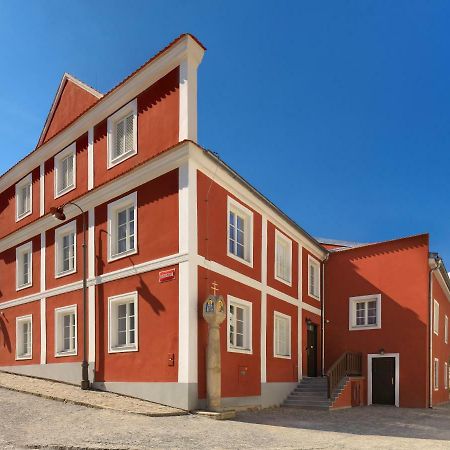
{"x": 59, "y": 330}
{"x": 436, "y": 318}
{"x": 60, "y": 233}
{"x": 19, "y": 337}
{"x": 113, "y": 209}
{"x": 247, "y": 215}
{"x": 27, "y": 181}
{"x": 71, "y": 150}
{"x": 113, "y": 302}
{"x": 316, "y": 263}
{"x": 446, "y": 329}
{"x": 20, "y": 251}
{"x": 248, "y": 320}
{"x": 446, "y": 375}
{"x": 436, "y": 374}
{"x": 352, "y": 312}
{"x": 279, "y": 315}
{"x": 113, "y": 120}
{"x": 282, "y": 237}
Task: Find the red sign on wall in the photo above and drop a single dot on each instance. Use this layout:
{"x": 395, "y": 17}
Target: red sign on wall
{"x": 166, "y": 275}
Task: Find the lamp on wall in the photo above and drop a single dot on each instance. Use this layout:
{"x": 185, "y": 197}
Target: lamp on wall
{"x": 308, "y": 322}
{"x": 58, "y": 213}
{"x": 381, "y": 351}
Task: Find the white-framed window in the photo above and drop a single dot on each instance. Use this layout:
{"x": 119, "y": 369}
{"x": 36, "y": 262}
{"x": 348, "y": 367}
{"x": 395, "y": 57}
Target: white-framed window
{"x": 24, "y": 266}
{"x": 436, "y": 318}
{"x": 446, "y": 329}
{"x": 66, "y": 331}
{"x": 239, "y": 325}
{"x": 240, "y": 232}
{"x": 24, "y": 197}
{"x": 24, "y": 337}
{"x": 313, "y": 277}
{"x": 122, "y": 227}
{"x": 65, "y": 249}
{"x": 123, "y": 323}
{"x": 281, "y": 335}
{"x": 365, "y": 312}
{"x": 436, "y": 374}
{"x": 122, "y": 134}
{"x": 283, "y": 258}
{"x": 446, "y": 375}
{"x": 65, "y": 170}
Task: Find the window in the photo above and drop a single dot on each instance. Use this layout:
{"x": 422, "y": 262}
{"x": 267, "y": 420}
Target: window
{"x": 122, "y": 134}
{"x": 66, "y": 331}
{"x": 365, "y": 312}
{"x": 65, "y": 170}
{"x": 24, "y": 263}
{"x": 239, "y": 325}
{"x": 24, "y": 197}
{"x": 446, "y": 375}
{"x": 123, "y": 323}
{"x": 282, "y": 335}
{"x": 313, "y": 277}
{"x": 24, "y": 337}
{"x": 436, "y": 374}
{"x": 122, "y": 227}
{"x": 240, "y": 232}
{"x": 283, "y": 258}
{"x": 436, "y": 318}
{"x": 446, "y": 330}
{"x": 65, "y": 249}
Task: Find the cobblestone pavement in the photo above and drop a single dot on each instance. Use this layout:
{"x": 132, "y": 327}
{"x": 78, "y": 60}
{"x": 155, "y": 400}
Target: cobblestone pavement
{"x": 73, "y": 394}
{"x": 29, "y": 422}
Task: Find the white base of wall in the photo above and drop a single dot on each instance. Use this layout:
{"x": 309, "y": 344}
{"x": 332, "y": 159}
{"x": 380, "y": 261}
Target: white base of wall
{"x": 178, "y": 395}
{"x": 65, "y": 372}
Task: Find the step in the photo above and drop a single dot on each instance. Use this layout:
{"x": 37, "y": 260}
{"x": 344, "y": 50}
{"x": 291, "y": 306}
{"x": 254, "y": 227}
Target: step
{"x": 308, "y": 404}
{"x": 310, "y": 396}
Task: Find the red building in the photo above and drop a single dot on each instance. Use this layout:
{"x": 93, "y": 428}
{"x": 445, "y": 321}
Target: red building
{"x": 165, "y": 219}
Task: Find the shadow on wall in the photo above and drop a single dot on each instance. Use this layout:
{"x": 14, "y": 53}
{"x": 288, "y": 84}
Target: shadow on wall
{"x": 5, "y": 340}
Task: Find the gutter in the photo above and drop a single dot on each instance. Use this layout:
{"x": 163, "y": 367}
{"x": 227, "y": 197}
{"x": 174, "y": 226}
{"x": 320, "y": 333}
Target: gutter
{"x": 435, "y": 262}
{"x": 323, "y": 315}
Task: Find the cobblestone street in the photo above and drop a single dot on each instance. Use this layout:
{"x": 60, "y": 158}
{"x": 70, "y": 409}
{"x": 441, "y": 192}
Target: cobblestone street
{"x": 33, "y": 423}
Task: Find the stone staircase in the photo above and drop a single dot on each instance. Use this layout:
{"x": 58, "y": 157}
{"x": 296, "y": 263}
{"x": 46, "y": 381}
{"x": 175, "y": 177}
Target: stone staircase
{"x": 312, "y": 393}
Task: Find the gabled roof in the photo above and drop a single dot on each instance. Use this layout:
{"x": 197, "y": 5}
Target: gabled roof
{"x": 90, "y": 97}
{"x": 338, "y": 243}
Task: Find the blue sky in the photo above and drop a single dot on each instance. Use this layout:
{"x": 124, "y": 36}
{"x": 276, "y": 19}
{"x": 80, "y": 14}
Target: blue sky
{"x": 337, "y": 111}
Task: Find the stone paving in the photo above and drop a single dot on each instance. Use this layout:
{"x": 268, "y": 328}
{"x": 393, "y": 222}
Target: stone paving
{"x": 30, "y": 422}
{"x": 73, "y": 394}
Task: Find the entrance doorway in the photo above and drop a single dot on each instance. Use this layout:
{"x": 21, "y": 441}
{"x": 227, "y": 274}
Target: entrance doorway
{"x": 311, "y": 349}
{"x": 383, "y": 375}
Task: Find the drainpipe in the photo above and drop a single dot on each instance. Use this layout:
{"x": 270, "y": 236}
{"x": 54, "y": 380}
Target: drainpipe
{"x": 323, "y": 315}
{"x": 435, "y": 264}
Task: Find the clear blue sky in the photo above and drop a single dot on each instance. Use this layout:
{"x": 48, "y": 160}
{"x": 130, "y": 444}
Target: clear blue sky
{"x": 338, "y": 111}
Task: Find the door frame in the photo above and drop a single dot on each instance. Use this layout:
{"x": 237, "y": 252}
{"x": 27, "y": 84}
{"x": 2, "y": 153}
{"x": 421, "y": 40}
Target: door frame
{"x": 370, "y": 357}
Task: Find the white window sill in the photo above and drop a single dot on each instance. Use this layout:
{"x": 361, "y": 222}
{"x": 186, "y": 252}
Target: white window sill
{"x": 24, "y": 357}
{"x": 124, "y": 349}
{"x": 24, "y": 286}
{"x": 63, "y": 354}
{"x": 22, "y": 216}
{"x": 282, "y": 356}
{"x": 240, "y": 350}
{"x": 65, "y": 191}
{"x": 241, "y": 260}
{"x": 436, "y": 333}
{"x": 315, "y": 297}
{"x": 114, "y": 162}
{"x": 67, "y": 272}
{"x": 122, "y": 255}
{"x": 282, "y": 280}
{"x": 363, "y": 327}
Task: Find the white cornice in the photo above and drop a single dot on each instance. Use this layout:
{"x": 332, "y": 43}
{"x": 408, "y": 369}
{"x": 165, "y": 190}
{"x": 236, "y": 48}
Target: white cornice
{"x": 148, "y": 171}
{"x": 185, "y": 48}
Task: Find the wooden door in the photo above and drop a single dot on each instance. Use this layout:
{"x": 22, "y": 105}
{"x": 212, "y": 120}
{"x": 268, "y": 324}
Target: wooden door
{"x": 311, "y": 349}
{"x": 383, "y": 380}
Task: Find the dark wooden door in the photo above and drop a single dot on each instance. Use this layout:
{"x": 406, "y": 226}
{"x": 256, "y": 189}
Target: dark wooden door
{"x": 383, "y": 381}
{"x": 311, "y": 349}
